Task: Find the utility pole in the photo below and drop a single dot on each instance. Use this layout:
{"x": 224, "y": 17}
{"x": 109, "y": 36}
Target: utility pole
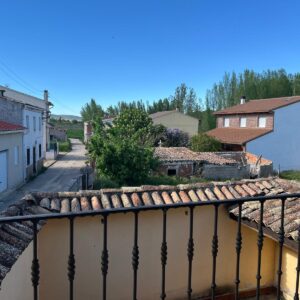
{"x": 46, "y": 118}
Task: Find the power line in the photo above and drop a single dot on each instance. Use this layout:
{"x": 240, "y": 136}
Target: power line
{"x": 20, "y": 78}
{"x": 9, "y": 73}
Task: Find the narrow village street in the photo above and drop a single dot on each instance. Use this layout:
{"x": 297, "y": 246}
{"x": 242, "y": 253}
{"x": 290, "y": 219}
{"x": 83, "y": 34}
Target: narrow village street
{"x": 57, "y": 177}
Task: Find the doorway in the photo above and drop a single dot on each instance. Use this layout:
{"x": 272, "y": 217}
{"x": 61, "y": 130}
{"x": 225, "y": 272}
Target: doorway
{"x": 34, "y": 159}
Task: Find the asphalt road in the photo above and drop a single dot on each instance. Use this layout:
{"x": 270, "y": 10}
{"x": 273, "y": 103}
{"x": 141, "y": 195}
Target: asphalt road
{"x": 56, "y": 178}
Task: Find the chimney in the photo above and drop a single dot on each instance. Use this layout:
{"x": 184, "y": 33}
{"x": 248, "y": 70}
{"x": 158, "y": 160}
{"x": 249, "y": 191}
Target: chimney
{"x": 46, "y": 95}
{"x": 2, "y": 93}
{"x": 243, "y": 99}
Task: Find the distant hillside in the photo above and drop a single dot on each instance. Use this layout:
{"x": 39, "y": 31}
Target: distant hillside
{"x": 65, "y": 117}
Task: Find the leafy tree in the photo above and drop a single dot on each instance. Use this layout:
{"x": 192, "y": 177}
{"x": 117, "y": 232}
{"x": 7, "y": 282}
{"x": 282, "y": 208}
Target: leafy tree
{"x": 204, "y": 143}
{"x": 124, "y": 152}
{"x": 134, "y": 124}
{"x": 90, "y": 111}
{"x": 176, "y": 138}
{"x": 125, "y": 161}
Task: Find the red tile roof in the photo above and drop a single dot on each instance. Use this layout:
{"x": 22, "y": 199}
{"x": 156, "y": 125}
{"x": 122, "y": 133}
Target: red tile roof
{"x": 237, "y": 136}
{"x": 259, "y": 106}
{"x": 5, "y": 126}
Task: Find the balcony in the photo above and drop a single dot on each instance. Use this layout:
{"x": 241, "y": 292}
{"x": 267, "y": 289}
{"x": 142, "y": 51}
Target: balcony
{"x": 206, "y": 241}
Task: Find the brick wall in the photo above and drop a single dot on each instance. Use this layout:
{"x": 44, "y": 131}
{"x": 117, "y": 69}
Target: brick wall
{"x": 252, "y": 120}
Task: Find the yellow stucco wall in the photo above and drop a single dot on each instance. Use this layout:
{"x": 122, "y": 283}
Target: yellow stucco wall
{"x": 289, "y": 264}
{"x": 54, "y": 248}
{"x": 17, "y": 283}
{"x": 178, "y": 120}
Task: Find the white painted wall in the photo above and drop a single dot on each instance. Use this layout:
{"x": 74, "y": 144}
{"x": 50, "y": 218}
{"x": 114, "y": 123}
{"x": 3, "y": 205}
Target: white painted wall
{"x": 282, "y": 146}
{"x": 32, "y": 137}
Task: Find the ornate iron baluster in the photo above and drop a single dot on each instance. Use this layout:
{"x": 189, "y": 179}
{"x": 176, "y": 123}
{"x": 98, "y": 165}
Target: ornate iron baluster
{"x": 35, "y": 266}
{"x": 215, "y": 252}
{"x": 260, "y": 242}
{"x": 281, "y": 241}
{"x": 71, "y": 261}
{"x": 238, "y": 248}
{"x": 104, "y": 258}
{"x": 164, "y": 254}
{"x": 135, "y": 256}
{"x": 296, "y": 297}
{"x": 190, "y": 253}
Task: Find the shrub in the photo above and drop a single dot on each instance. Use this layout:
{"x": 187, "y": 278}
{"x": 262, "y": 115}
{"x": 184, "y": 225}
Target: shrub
{"x": 65, "y": 146}
{"x": 204, "y": 143}
{"x": 176, "y": 138}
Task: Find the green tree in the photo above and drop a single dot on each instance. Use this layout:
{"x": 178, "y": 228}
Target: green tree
{"x": 90, "y": 111}
{"x": 124, "y": 152}
{"x": 204, "y": 143}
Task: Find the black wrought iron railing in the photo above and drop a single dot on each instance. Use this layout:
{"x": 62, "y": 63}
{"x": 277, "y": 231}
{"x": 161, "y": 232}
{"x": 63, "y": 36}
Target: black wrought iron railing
{"x": 105, "y": 213}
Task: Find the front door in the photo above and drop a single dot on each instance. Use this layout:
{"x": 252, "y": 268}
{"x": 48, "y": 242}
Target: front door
{"x": 34, "y": 160}
{"x": 3, "y": 171}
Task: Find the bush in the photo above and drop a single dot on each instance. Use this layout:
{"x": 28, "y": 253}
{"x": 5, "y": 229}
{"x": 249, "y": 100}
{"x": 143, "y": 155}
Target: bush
{"x": 176, "y": 138}
{"x": 204, "y": 143}
{"x": 65, "y": 146}
{"x": 103, "y": 182}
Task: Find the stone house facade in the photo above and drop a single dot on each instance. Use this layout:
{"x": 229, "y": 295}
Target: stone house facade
{"x": 182, "y": 162}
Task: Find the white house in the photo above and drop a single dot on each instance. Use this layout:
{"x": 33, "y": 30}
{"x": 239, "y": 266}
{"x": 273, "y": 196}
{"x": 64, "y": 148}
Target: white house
{"x": 267, "y": 127}
{"x": 35, "y": 114}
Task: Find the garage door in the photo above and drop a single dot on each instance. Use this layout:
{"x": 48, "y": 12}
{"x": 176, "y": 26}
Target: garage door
{"x": 3, "y": 171}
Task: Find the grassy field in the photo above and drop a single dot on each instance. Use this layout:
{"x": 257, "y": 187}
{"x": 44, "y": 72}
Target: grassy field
{"x": 74, "y": 128}
{"x": 75, "y": 134}
{"x": 290, "y": 175}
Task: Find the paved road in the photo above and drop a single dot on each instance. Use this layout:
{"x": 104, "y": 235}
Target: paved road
{"x": 56, "y": 178}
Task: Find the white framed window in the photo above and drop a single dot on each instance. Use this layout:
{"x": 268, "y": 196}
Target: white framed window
{"x": 226, "y": 122}
{"x": 243, "y": 122}
{"x": 34, "y": 123}
{"x": 16, "y": 155}
{"x": 27, "y": 122}
{"x": 40, "y": 123}
{"x": 262, "y": 121}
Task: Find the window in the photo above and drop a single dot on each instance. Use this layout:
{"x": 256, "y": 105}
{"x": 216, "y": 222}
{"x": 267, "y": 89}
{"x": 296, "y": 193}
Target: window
{"x": 27, "y": 122}
{"x": 16, "y": 155}
{"x": 40, "y": 123}
{"x": 262, "y": 122}
{"x": 243, "y": 122}
{"x": 34, "y": 123}
{"x": 40, "y": 150}
{"x": 172, "y": 172}
{"x": 226, "y": 122}
{"x": 28, "y": 156}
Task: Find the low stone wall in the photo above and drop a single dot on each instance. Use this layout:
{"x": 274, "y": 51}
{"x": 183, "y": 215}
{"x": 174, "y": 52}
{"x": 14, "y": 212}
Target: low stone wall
{"x": 225, "y": 172}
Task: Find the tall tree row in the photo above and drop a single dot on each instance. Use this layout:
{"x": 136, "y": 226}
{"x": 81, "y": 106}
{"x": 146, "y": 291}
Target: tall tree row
{"x": 225, "y": 93}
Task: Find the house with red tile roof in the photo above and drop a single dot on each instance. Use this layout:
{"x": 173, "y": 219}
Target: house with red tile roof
{"x": 267, "y": 127}
{"x": 11, "y": 158}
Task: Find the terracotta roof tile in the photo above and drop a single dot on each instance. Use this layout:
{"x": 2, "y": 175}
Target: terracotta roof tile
{"x": 169, "y": 154}
{"x": 5, "y": 126}
{"x": 237, "y": 136}
{"x": 259, "y": 106}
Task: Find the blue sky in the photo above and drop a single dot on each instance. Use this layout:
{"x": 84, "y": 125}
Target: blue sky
{"x": 130, "y": 50}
